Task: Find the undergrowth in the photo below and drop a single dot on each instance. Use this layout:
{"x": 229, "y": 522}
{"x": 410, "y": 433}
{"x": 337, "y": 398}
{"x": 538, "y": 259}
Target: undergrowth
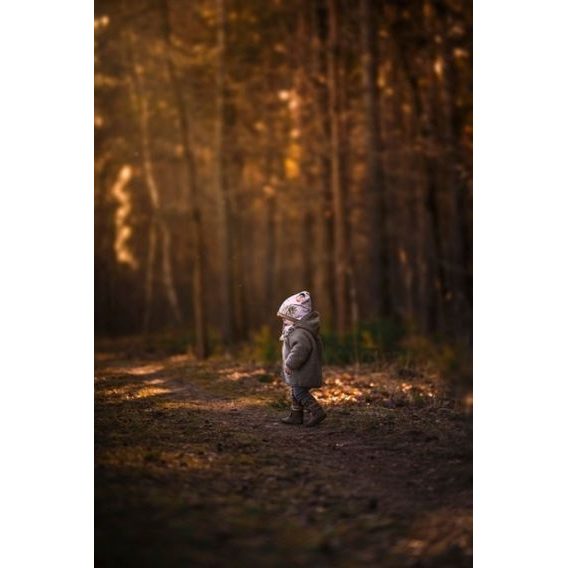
{"x": 380, "y": 343}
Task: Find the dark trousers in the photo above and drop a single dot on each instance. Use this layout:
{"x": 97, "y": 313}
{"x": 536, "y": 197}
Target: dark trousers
{"x": 301, "y": 394}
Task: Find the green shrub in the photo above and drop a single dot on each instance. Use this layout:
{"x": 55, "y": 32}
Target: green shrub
{"x": 371, "y": 342}
{"x": 263, "y": 347}
{"x": 452, "y": 360}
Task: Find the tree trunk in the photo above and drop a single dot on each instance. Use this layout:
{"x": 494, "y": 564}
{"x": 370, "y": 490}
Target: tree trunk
{"x": 139, "y": 95}
{"x": 149, "y": 280}
{"x": 427, "y": 216}
{"x": 167, "y": 273}
{"x": 337, "y": 190}
{"x": 459, "y": 238}
{"x": 270, "y": 235}
{"x": 189, "y": 197}
{"x": 376, "y": 187}
{"x": 322, "y": 143}
{"x": 307, "y": 250}
{"x": 240, "y": 277}
{"x": 226, "y": 229}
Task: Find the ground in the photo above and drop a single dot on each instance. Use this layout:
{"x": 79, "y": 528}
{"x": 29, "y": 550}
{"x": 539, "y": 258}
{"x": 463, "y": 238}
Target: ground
{"x": 193, "y": 468}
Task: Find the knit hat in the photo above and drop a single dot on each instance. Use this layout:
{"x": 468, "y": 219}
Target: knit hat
{"x": 296, "y": 306}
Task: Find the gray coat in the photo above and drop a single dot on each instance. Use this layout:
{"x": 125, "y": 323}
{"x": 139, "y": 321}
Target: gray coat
{"x": 302, "y": 353}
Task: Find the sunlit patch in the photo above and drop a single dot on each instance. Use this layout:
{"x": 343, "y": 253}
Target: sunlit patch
{"x": 268, "y": 190}
{"x": 433, "y": 534}
{"x": 185, "y": 358}
{"x": 116, "y": 393}
{"x": 439, "y": 67}
{"x": 123, "y": 230}
{"x": 294, "y": 102}
{"x": 145, "y": 369}
{"x": 236, "y": 374}
{"x": 146, "y": 392}
{"x": 177, "y": 405}
{"x": 145, "y": 458}
{"x": 460, "y": 53}
{"x": 384, "y": 70}
{"x": 350, "y": 388}
{"x": 292, "y": 160}
{"x": 102, "y": 22}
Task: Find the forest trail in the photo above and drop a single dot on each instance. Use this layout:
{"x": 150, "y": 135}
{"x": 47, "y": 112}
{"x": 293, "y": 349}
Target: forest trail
{"x": 193, "y": 468}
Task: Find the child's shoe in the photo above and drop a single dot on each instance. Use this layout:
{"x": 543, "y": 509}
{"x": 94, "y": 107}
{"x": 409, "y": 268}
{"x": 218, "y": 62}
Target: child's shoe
{"x": 317, "y": 413}
{"x": 295, "y": 417}
{"x": 296, "y": 413}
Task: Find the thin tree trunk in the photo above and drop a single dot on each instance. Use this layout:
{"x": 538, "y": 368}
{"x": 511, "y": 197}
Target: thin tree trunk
{"x": 379, "y": 280}
{"x": 307, "y": 251}
{"x": 323, "y": 138}
{"x": 427, "y": 210}
{"x": 152, "y": 186}
{"x": 302, "y": 124}
{"x": 189, "y": 197}
{"x": 167, "y": 273}
{"x": 337, "y": 190}
{"x": 149, "y": 279}
{"x": 240, "y": 278}
{"x": 459, "y": 239}
{"x": 226, "y": 229}
{"x": 270, "y": 235}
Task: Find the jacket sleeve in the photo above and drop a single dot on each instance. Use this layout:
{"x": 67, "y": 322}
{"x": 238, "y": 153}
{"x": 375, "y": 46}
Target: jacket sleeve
{"x": 299, "y": 351}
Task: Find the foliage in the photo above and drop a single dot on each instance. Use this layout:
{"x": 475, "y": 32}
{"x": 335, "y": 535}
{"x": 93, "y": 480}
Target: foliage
{"x": 453, "y": 361}
{"x": 263, "y": 347}
{"x": 381, "y": 343}
{"x": 372, "y": 342}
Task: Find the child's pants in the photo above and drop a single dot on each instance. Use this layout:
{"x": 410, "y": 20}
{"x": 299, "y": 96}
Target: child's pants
{"x": 301, "y": 394}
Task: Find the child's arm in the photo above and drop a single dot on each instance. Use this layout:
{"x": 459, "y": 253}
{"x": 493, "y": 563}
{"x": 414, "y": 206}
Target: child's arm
{"x": 299, "y": 352}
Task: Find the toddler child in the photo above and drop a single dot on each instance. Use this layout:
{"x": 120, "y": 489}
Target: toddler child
{"x": 302, "y": 351}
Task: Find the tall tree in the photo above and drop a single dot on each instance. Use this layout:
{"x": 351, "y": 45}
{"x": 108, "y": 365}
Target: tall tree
{"x": 189, "y": 194}
{"x": 337, "y": 189}
{"x": 320, "y": 145}
{"x": 226, "y": 214}
{"x": 376, "y": 187}
{"x": 158, "y": 224}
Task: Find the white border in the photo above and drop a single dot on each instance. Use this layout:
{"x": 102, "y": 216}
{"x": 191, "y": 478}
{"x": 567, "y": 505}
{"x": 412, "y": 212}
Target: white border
{"x": 520, "y": 315}
{"x": 46, "y": 247}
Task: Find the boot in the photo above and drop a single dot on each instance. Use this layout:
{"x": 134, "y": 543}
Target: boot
{"x": 317, "y": 413}
{"x": 296, "y": 414}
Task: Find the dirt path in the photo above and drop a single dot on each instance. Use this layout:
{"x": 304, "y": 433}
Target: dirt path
{"x": 193, "y": 468}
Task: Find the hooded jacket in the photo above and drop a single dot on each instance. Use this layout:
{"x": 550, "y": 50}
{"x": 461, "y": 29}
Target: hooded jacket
{"x": 302, "y": 352}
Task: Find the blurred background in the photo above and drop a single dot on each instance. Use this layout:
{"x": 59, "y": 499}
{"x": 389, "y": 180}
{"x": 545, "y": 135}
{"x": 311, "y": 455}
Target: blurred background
{"x": 249, "y": 149}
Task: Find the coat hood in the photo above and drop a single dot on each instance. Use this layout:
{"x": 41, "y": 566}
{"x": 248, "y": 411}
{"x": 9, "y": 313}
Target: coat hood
{"x": 311, "y": 322}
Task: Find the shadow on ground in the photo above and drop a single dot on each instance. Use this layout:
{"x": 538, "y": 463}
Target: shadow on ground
{"x": 193, "y": 468}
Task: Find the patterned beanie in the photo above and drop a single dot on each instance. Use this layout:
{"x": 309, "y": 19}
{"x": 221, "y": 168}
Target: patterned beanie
{"x": 296, "y": 306}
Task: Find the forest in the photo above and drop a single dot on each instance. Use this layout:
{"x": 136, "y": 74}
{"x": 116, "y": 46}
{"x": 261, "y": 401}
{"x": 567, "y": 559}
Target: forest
{"x": 246, "y": 150}
{"x": 249, "y": 149}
